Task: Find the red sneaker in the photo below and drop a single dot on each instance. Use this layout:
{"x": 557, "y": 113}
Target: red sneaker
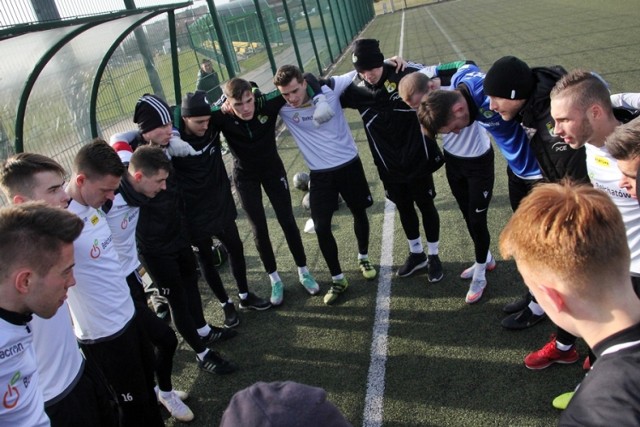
{"x": 549, "y": 354}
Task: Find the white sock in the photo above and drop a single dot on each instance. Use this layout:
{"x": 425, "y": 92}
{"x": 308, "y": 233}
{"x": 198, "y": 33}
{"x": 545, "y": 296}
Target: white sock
{"x": 535, "y": 308}
{"x": 563, "y": 347}
{"x": 165, "y": 394}
{"x": 275, "y": 277}
{"x": 363, "y": 256}
{"x": 202, "y": 355}
{"x": 243, "y": 296}
{"x": 222, "y": 304}
{"x": 302, "y": 270}
{"x": 433, "y": 247}
{"x": 415, "y": 246}
{"x": 338, "y": 277}
{"x": 204, "y": 331}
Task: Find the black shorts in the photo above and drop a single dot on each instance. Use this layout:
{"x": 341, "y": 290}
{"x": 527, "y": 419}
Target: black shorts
{"x": 348, "y": 180}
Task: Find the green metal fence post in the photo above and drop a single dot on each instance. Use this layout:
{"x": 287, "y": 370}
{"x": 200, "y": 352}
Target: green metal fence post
{"x": 324, "y": 30}
{"x": 224, "y": 46}
{"x": 292, "y": 31}
{"x": 313, "y": 42}
{"x": 265, "y": 36}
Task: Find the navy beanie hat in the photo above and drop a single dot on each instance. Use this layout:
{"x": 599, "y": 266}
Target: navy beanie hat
{"x": 509, "y": 78}
{"x": 151, "y": 112}
{"x": 366, "y": 54}
{"x": 195, "y": 104}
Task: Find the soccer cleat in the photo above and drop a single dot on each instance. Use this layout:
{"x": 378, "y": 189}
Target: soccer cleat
{"x": 468, "y": 273}
{"x": 254, "y": 302}
{"x": 434, "y": 269}
{"x": 277, "y": 293}
{"x": 309, "y": 283}
{"x": 368, "y": 272}
{"x": 550, "y": 354}
{"x": 561, "y": 402}
{"x": 522, "y": 320}
{"x": 182, "y": 395}
{"x": 231, "y": 318}
{"x": 475, "y": 291}
{"x": 215, "y": 364}
{"x": 336, "y": 289}
{"x": 518, "y": 305}
{"x": 218, "y": 334}
{"x": 176, "y": 407}
{"x": 413, "y": 263}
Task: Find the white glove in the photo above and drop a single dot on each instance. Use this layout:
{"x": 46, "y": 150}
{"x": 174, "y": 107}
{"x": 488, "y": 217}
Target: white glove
{"x": 178, "y": 148}
{"x": 323, "y": 112}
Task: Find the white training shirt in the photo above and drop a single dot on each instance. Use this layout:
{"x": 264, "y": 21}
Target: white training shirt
{"x": 22, "y": 402}
{"x": 605, "y": 175}
{"x": 122, "y": 220}
{"x": 59, "y": 359}
{"x": 331, "y": 144}
{"x": 100, "y": 302}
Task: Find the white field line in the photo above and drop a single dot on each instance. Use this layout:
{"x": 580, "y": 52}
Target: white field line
{"x": 444, "y": 33}
{"x": 374, "y": 400}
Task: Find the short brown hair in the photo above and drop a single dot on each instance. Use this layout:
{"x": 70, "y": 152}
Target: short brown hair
{"x": 236, "y": 88}
{"x": 150, "y": 159}
{"x": 17, "y": 172}
{"x": 584, "y": 89}
{"x": 413, "y": 83}
{"x": 624, "y": 142}
{"x": 286, "y": 74}
{"x": 97, "y": 159}
{"x": 436, "y": 111}
{"x": 572, "y": 230}
{"x": 32, "y": 234}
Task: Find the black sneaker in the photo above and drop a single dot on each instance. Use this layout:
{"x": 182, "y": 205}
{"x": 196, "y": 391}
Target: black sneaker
{"x": 231, "y": 318}
{"x": 518, "y": 305}
{"x": 413, "y": 263}
{"x": 254, "y": 302}
{"x": 522, "y": 320}
{"x": 215, "y": 364}
{"x": 434, "y": 269}
{"x": 218, "y": 334}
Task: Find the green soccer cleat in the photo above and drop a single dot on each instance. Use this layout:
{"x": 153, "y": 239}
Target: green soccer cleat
{"x": 337, "y": 287}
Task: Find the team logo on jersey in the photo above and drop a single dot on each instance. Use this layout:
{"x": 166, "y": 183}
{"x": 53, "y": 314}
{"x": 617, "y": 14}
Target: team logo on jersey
{"x": 95, "y": 250}
{"x": 296, "y": 117}
{"x": 12, "y": 395}
{"x": 390, "y": 86}
{"x": 551, "y": 128}
{"x": 125, "y": 223}
{"x": 487, "y": 113}
{"x": 263, "y": 119}
{"x": 602, "y": 161}
{"x": 94, "y": 219}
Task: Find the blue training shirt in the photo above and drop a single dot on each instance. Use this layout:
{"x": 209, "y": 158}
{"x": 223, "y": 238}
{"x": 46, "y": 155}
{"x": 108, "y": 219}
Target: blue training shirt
{"x": 510, "y": 136}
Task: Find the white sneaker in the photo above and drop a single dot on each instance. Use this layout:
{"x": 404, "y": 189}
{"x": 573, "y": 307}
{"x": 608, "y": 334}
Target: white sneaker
{"x": 475, "y": 291}
{"x": 468, "y": 273}
{"x": 176, "y": 407}
{"x": 182, "y": 395}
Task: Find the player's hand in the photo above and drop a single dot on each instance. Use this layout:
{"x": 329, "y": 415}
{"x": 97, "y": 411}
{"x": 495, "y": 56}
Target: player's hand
{"x": 323, "y": 112}
{"x": 178, "y": 148}
{"x": 226, "y": 108}
{"x": 398, "y": 62}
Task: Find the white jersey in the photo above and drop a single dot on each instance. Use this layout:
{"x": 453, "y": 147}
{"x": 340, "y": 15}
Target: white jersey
{"x": 331, "y": 144}
{"x": 60, "y": 362}
{"x": 101, "y": 305}
{"x": 122, "y": 220}
{"x": 22, "y": 402}
{"x": 472, "y": 141}
{"x": 605, "y": 175}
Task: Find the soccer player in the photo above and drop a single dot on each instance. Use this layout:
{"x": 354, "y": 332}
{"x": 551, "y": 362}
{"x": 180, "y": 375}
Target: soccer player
{"x": 586, "y": 290}
{"x": 74, "y": 391}
{"x": 101, "y": 306}
{"x": 469, "y": 166}
{"x": 332, "y": 157}
{"x": 36, "y": 260}
{"x": 624, "y": 146}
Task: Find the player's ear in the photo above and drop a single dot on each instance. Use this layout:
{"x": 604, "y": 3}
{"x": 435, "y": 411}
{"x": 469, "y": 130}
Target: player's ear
{"x": 554, "y": 297}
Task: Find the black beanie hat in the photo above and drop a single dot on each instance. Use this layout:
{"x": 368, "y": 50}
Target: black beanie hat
{"x": 366, "y": 54}
{"x": 195, "y": 104}
{"x": 151, "y": 112}
{"x": 509, "y": 78}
